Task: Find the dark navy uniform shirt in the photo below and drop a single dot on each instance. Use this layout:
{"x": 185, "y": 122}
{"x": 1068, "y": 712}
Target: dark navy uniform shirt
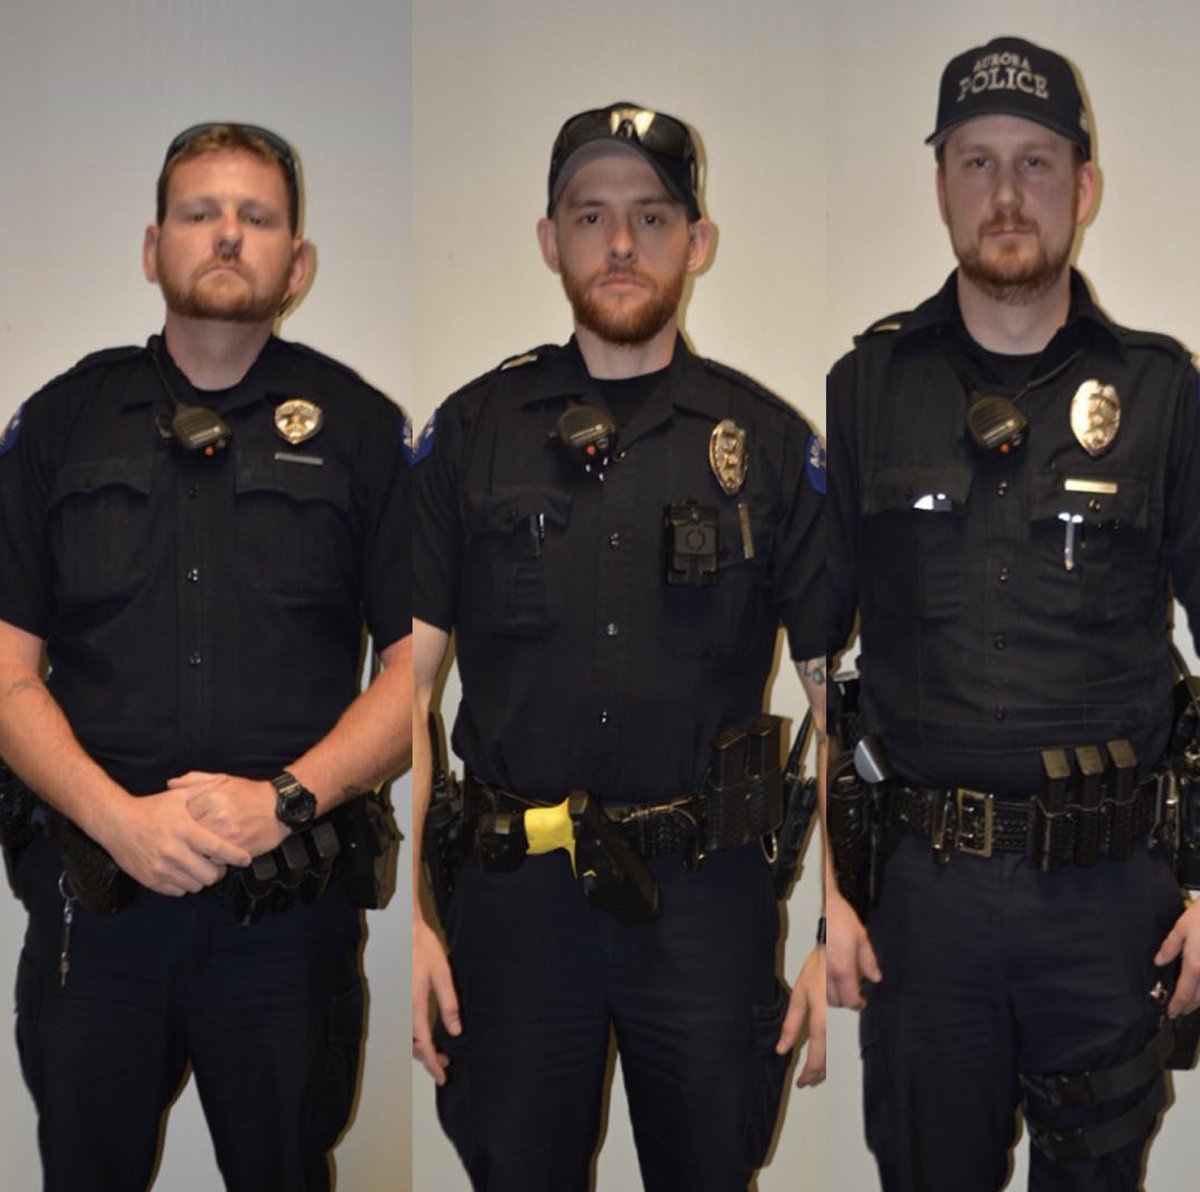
{"x": 204, "y": 612}
{"x": 980, "y": 645}
{"x": 580, "y": 666}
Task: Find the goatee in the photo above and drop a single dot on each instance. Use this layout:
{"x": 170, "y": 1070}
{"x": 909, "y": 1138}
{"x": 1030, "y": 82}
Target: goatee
{"x": 631, "y": 327}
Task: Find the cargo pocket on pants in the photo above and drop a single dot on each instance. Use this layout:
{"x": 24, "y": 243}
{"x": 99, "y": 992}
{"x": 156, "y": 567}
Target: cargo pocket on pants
{"x": 340, "y": 1082}
{"x": 770, "y": 1071}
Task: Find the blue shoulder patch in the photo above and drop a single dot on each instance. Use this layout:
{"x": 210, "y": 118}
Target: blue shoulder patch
{"x": 816, "y": 463}
{"x": 12, "y": 432}
{"x": 420, "y": 447}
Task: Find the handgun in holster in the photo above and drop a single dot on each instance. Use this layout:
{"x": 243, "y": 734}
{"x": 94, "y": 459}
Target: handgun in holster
{"x": 1181, "y": 832}
{"x": 799, "y": 806}
{"x": 613, "y": 876}
{"x": 856, "y": 812}
{"x": 445, "y": 840}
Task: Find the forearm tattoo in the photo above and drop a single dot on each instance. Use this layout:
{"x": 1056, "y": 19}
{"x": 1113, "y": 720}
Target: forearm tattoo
{"x": 814, "y": 671}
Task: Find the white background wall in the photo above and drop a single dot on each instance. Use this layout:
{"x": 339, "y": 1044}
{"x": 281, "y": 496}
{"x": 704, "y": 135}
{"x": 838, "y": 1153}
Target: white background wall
{"x": 91, "y": 94}
{"x": 887, "y": 250}
{"x": 493, "y": 82}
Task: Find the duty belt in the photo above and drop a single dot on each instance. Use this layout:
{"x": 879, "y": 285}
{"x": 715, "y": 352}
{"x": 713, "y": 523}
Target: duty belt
{"x": 693, "y": 825}
{"x": 980, "y": 823}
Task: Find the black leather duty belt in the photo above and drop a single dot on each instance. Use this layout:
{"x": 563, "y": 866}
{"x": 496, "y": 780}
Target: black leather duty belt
{"x": 693, "y": 825}
{"x": 980, "y": 824}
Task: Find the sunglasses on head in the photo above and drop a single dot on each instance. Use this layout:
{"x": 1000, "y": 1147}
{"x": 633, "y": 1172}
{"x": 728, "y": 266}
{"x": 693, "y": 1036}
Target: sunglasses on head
{"x": 655, "y": 132}
{"x": 273, "y": 141}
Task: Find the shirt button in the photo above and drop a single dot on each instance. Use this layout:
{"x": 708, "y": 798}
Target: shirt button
{"x": 1094, "y": 505}
{"x": 193, "y": 575}
{"x": 1001, "y": 711}
{"x": 1002, "y": 488}
{"x": 999, "y": 642}
{"x": 1004, "y": 575}
{"x": 604, "y": 717}
{"x": 193, "y": 491}
{"x": 194, "y": 658}
{"x": 611, "y": 629}
{"x": 614, "y": 540}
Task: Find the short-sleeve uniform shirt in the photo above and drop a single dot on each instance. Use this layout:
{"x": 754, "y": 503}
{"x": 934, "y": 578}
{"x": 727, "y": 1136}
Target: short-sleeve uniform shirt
{"x": 204, "y": 612}
{"x": 581, "y": 666}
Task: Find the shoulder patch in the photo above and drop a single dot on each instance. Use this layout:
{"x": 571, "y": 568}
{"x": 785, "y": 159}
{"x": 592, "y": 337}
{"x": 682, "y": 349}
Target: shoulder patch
{"x": 12, "y": 432}
{"x": 420, "y": 447}
{"x": 815, "y": 463}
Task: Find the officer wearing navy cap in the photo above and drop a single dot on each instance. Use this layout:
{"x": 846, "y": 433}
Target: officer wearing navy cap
{"x": 614, "y": 532}
{"x": 1016, "y": 481}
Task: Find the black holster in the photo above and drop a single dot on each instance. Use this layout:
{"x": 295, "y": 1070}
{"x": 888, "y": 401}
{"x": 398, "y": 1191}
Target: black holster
{"x": 853, "y": 811}
{"x": 370, "y": 849}
{"x": 612, "y": 874}
{"x": 445, "y": 838}
{"x": 17, "y": 803}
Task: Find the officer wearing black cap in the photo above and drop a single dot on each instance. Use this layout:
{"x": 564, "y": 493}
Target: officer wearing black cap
{"x": 1015, "y": 481}
{"x": 195, "y": 533}
{"x": 613, "y": 531}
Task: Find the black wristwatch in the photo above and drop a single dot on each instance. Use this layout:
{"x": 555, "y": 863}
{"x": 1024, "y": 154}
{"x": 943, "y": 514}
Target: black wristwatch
{"x": 295, "y": 805}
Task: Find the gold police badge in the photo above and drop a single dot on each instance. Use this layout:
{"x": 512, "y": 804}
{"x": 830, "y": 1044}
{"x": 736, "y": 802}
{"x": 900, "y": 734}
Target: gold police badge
{"x": 1095, "y": 416}
{"x": 297, "y": 420}
{"x": 727, "y": 455}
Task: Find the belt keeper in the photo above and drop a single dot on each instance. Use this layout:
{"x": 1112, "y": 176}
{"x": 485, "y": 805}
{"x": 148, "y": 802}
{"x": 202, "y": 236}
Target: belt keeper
{"x": 938, "y": 824}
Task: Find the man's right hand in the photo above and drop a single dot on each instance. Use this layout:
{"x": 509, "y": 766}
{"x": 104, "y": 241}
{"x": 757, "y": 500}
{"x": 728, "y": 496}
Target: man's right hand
{"x": 432, "y": 978}
{"x": 849, "y": 954}
{"x": 158, "y": 843}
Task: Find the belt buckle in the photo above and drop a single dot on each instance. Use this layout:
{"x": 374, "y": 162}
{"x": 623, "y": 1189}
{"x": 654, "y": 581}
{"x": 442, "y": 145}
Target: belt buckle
{"x": 973, "y": 837}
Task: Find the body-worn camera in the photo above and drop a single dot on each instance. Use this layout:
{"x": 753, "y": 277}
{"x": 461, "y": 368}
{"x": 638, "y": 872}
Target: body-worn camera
{"x": 691, "y": 542}
{"x": 589, "y": 437}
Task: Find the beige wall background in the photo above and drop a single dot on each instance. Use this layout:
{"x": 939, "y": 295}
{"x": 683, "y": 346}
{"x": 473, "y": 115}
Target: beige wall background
{"x": 91, "y": 96}
{"x": 493, "y": 82}
{"x": 887, "y": 250}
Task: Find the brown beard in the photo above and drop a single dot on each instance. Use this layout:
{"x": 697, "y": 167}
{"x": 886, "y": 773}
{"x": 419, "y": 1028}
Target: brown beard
{"x": 1006, "y": 281}
{"x": 631, "y": 327}
{"x": 250, "y": 307}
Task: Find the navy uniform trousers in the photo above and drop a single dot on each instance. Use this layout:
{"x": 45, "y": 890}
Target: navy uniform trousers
{"x": 991, "y": 968}
{"x": 269, "y": 1015}
{"x": 692, "y": 998}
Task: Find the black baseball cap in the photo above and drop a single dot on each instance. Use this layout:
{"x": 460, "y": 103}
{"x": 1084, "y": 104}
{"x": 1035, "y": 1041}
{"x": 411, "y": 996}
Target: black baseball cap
{"x": 1012, "y": 77}
{"x": 662, "y": 140}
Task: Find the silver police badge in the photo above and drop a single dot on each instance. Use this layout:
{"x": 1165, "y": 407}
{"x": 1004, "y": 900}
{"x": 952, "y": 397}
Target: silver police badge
{"x": 727, "y": 455}
{"x": 297, "y": 420}
{"x": 1095, "y": 416}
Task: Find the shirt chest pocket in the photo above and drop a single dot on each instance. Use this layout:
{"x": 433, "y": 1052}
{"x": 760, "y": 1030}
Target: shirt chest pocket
{"x": 99, "y": 522}
{"x": 1095, "y": 561}
{"x": 513, "y": 540}
{"x": 294, "y": 528}
{"x": 913, "y": 553}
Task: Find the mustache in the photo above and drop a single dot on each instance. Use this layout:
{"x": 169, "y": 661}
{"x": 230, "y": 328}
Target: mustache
{"x": 1008, "y": 223}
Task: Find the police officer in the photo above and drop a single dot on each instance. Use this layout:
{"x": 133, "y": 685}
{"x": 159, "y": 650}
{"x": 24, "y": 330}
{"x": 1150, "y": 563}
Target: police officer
{"x": 1015, "y": 479}
{"x": 554, "y": 495}
{"x": 195, "y": 532}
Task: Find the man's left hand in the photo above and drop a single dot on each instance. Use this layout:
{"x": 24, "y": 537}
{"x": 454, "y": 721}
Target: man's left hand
{"x": 239, "y": 809}
{"x": 1183, "y": 941}
{"x": 807, "y": 1003}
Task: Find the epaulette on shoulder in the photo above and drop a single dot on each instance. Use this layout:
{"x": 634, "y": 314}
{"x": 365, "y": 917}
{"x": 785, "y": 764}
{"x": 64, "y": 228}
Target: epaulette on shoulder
{"x": 743, "y": 382}
{"x": 1153, "y": 340}
{"x": 886, "y": 326}
{"x": 328, "y": 361}
{"x": 524, "y": 359}
{"x": 102, "y": 358}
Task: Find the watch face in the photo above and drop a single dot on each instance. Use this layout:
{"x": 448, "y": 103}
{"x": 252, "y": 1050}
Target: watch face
{"x": 295, "y": 806}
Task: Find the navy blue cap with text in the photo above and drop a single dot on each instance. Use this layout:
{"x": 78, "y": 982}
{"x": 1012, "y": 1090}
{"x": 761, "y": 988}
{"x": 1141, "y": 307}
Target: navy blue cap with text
{"x": 1012, "y": 77}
